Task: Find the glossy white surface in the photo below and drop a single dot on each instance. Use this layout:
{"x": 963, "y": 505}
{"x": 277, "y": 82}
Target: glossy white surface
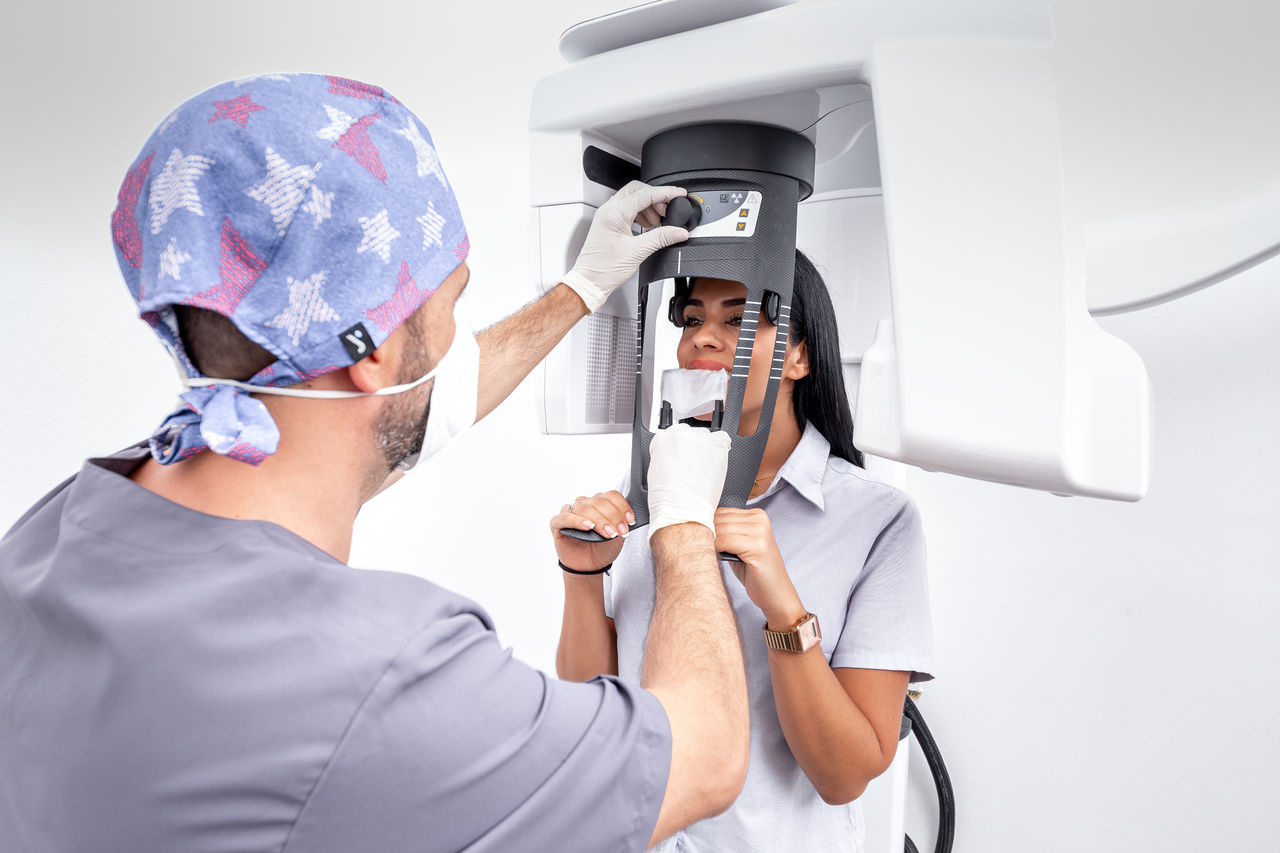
{"x": 994, "y": 369}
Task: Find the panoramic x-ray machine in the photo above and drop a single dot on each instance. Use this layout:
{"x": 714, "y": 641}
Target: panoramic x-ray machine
{"x": 936, "y": 213}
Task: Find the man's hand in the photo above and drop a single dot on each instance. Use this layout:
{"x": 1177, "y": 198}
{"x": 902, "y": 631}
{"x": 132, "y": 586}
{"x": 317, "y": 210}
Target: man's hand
{"x": 749, "y": 534}
{"x": 611, "y": 253}
{"x": 510, "y": 349}
{"x": 687, "y": 467}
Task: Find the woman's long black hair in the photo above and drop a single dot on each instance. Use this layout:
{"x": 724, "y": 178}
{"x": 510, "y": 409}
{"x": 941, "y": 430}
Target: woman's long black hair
{"x": 820, "y": 398}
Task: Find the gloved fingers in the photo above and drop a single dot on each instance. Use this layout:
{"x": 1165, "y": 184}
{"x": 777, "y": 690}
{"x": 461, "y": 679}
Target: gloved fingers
{"x": 644, "y": 245}
{"x": 688, "y": 436}
{"x": 651, "y": 216}
{"x": 638, "y": 196}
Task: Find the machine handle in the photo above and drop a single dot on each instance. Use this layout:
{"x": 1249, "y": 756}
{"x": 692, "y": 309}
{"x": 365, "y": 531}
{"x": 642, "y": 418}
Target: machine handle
{"x": 593, "y": 536}
{"x": 664, "y": 421}
{"x": 582, "y": 535}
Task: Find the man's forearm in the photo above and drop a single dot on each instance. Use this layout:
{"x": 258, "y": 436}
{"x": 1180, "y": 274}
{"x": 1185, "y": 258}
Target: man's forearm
{"x": 693, "y": 644}
{"x": 512, "y": 347}
{"x": 691, "y": 614}
{"x": 693, "y": 664}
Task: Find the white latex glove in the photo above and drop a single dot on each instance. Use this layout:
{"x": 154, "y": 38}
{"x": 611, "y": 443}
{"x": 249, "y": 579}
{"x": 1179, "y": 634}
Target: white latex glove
{"x": 611, "y": 253}
{"x": 686, "y": 475}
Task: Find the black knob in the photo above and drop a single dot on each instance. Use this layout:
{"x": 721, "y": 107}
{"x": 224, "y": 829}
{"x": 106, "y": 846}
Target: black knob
{"x": 683, "y": 212}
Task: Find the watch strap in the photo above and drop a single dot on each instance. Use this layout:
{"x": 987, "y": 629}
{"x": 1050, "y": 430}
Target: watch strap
{"x": 800, "y": 637}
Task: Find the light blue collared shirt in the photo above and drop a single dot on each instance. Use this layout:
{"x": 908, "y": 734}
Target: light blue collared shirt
{"x": 855, "y": 551}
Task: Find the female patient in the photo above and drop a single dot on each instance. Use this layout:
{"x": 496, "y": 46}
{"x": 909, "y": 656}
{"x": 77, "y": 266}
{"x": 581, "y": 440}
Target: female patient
{"x": 818, "y": 538}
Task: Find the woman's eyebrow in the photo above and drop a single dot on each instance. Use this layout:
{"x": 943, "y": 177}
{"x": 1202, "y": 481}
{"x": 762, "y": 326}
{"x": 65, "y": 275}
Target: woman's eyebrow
{"x": 725, "y": 302}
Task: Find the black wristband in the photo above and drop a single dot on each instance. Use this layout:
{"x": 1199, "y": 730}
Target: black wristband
{"x": 580, "y": 572}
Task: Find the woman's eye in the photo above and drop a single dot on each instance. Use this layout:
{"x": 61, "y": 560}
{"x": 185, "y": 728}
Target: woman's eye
{"x": 690, "y": 320}
{"x": 735, "y": 320}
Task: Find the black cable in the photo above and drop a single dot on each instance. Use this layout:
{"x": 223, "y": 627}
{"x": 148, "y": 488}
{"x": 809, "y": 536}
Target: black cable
{"x": 941, "y": 781}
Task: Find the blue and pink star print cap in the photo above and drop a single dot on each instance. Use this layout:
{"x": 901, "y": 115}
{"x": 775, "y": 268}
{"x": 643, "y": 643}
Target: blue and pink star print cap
{"x": 310, "y": 210}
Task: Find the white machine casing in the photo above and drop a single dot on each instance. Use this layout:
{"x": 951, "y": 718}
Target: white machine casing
{"x": 937, "y": 218}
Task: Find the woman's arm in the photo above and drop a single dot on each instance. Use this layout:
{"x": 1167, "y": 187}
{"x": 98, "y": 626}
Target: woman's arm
{"x": 841, "y": 725}
{"x": 588, "y": 641}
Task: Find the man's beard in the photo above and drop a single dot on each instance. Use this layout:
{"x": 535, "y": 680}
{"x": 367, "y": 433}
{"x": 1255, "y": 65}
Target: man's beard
{"x": 401, "y": 428}
{"x": 402, "y": 424}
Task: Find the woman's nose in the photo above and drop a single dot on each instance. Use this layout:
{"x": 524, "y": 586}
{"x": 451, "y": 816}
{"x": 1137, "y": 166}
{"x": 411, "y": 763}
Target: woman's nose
{"x": 708, "y": 337}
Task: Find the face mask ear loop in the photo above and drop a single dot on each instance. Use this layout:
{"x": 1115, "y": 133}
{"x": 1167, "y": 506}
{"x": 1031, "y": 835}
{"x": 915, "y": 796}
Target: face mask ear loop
{"x": 313, "y": 393}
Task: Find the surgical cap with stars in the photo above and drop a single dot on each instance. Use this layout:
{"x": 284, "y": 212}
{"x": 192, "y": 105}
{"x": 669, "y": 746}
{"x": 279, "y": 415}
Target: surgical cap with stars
{"x": 311, "y": 210}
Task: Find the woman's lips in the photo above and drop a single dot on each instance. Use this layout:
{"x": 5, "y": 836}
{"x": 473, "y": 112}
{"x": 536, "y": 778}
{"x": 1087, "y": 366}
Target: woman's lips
{"x": 707, "y": 364}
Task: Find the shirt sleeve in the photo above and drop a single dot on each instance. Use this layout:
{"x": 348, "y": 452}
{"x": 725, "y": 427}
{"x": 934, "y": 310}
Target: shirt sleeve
{"x": 624, "y": 486}
{"x": 460, "y": 746}
{"x": 887, "y": 623}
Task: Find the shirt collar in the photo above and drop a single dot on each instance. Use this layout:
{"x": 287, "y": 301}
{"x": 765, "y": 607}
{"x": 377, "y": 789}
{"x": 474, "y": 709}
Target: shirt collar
{"x": 804, "y": 468}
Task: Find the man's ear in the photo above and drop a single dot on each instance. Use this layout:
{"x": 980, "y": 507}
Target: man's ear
{"x": 379, "y": 368}
{"x": 796, "y": 363}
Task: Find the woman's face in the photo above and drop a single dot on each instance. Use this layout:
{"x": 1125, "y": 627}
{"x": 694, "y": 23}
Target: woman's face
{"x": 712, "y": 317}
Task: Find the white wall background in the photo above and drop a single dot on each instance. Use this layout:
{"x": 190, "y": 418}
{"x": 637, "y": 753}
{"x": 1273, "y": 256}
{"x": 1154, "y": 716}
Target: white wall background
{"x": 1106, "y": 669}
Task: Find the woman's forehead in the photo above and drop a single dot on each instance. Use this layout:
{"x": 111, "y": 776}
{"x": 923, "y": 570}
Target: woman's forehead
{"x": 717, "y": 290}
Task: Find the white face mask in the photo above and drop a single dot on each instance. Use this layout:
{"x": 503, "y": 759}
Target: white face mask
{"x": 453, "y": 397}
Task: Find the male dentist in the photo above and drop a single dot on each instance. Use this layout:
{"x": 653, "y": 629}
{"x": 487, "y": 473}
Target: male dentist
{"x": 188, "y": 661}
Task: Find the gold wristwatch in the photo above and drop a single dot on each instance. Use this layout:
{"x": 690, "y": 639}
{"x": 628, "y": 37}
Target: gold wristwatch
{"x": 800, "y": 637}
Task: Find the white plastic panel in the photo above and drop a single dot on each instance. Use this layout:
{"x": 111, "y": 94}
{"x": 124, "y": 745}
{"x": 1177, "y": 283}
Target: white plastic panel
{"x": 794, "y": 50}
{"x": 587, "y": 382}
{"x": 845, "y": 238}
{"x": 652, "y": 20}
{"x": 994, "y": 369}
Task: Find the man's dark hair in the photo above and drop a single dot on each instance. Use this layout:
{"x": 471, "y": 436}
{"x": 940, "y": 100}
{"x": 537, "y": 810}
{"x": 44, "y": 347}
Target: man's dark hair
{"x": 216, "y": 347}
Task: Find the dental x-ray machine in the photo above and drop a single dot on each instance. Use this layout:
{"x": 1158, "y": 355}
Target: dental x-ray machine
{"x": 936, "y": 209}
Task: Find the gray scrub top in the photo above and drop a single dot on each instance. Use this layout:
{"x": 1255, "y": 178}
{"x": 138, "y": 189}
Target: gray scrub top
{"x": 854, "y": 549}
{"x": 171, "y": 681}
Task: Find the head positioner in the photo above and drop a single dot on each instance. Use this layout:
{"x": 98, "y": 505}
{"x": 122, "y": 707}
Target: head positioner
{"x": 744, "y": 183}
{"x": 310, "y": 210}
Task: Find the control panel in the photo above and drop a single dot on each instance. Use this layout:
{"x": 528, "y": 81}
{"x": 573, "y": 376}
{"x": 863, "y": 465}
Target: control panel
{"x": 716, "y": 213}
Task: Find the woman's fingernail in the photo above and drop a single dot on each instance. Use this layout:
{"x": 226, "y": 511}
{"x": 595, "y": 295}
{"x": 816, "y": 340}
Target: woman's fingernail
{"x": 631, "y": 519}
{"x": 622, "y": 528}
{"x": 587, "y": 525}
{"x": 609, "y": 531}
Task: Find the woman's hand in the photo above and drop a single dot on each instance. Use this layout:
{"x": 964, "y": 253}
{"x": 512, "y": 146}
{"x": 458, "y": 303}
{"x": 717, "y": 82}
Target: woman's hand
{"x": 607, "y": 513}
{"x": 748, "y": 533}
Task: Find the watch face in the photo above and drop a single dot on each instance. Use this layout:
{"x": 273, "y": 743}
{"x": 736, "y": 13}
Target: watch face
{"x": 808, "y": 633}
